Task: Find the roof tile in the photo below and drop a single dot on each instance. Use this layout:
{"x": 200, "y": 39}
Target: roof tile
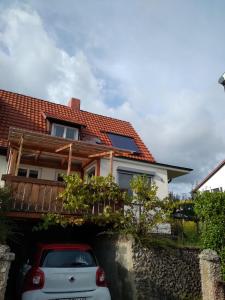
{"x": 26, "y": 112}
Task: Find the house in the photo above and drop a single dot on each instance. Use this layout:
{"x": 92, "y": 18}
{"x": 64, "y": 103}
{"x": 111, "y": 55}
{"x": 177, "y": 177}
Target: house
{"x": 214, "y": 182}
{"x": 41, "y": 140}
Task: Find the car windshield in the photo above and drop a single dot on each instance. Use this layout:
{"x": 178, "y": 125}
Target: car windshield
{"x": 67, "y": 259}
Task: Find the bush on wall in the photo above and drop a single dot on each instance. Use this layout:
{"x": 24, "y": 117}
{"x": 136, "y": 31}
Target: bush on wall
{"x": 210, "y": 208}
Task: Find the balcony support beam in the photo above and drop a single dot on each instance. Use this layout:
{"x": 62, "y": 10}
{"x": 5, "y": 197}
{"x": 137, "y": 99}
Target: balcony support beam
{"x": 12, "y": 161}
{"x": 63, "y": 148}
{"x": 98, "y": 167}
{"x": 102, "y": 154}
{"x": 19, "y": 155}
{"x": 69, "y": 159}
{"x": 111, "y": 153}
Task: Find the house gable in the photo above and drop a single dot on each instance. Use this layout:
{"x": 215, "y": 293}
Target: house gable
{"x": 214, "y": 180}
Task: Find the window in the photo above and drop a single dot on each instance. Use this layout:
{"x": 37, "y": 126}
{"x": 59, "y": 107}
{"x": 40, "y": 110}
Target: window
{"x": 91, "y": 172}
{"x": 33, "y": 174}
{"x": 65, "y": 132}
{"x": 125, "y": 176}
{"x": 216, "y": 190}
{"x": 123, "y": 142}
{"x": 26, "y": 172}
{"x": 22, "y": 172}
{"x": 67, "y": 259}
{"x": 59, "y": 175}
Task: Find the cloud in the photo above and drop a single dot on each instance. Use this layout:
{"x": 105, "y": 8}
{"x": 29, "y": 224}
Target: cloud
{"x": 33, "y": 64}
{"x": 156, "y": 70}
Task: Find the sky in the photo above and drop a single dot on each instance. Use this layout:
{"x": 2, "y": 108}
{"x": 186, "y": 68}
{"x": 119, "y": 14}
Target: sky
{"x": 155, "y": 63}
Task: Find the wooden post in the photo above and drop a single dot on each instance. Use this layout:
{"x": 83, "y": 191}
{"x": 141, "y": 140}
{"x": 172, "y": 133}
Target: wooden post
{"x": 69, "y": 160}
{"x": 98, "y": 166}
{"x": 12, "y": 162}
{"x": 111, "y": 162}
{"x": 19, "y": 156}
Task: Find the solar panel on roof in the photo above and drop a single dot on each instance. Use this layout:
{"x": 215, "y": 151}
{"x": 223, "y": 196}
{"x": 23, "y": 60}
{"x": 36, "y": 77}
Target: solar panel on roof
{"x": 123, "y": 142}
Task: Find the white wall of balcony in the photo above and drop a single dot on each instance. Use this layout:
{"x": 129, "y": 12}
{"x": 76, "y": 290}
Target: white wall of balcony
{"x": 159, "y": 174}
{"x": 3, "y": 168}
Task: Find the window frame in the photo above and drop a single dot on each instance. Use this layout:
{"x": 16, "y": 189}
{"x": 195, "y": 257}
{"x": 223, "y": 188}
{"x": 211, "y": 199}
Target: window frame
{"x": 134, "y": 147}
{"x": 28, "y": 169}
{"x": 133, "y": 173}
{"x": 65, "y": 127}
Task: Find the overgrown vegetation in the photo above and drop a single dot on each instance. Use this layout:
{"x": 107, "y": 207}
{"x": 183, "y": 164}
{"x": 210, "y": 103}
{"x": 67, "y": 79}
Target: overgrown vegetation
{"x": 5, "y": 224}
{"x": 185, "y": 223}
{"x": 137, "y": 214}
{"x": 210, "y": 208}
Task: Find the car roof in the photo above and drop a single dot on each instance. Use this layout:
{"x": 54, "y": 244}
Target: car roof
{"x": 63, "y": 246}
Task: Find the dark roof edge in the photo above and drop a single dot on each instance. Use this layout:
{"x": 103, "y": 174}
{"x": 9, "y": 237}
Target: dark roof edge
{"x": 172, "y": 166}
{"x": 156, "y": 163}
{"x": 216, "y": 169}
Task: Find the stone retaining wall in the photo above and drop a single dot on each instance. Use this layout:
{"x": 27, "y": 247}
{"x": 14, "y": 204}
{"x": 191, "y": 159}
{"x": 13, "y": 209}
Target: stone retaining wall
{"x": 138, "y": 273}
{"x": 211, "y": 277}
{"x": 5, "y": 261}
{"x": 166, "y": 273}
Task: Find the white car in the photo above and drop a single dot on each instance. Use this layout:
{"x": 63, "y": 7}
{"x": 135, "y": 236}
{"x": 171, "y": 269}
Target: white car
{"x": 65, "y": 272}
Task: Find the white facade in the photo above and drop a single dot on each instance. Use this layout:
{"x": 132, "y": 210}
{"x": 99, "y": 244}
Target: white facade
{"x": 3, "y": 168}
{"x": 159, "y": 175}
{"x": 216, "y": 181}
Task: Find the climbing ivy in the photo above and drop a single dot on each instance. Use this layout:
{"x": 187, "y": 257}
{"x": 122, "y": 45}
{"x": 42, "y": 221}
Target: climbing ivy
{"x": 136, "y": 214}
{"x": 210, "y": 208}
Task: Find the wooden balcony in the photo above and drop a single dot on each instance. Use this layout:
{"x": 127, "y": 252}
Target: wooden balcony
{"x": 31, "y": 198}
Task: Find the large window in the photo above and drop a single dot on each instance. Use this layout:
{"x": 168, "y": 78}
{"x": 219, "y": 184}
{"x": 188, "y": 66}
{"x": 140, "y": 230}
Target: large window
{"x": 65, "y": 132}
{"x": 123, "y": 142}
{"x": 125, "y": 176}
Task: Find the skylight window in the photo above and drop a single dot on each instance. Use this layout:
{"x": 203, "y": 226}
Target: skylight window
{"x": 123, "y": 142}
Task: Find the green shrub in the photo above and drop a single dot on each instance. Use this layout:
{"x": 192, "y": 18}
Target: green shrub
{"x": 5, "y": 223}
{"x": 210, "y": 208}
{"x": 143, "y": 210}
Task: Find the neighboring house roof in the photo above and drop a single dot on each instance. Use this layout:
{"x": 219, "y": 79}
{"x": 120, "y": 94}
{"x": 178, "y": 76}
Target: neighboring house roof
{"x": 213, "y": 172}
{"x": 30, "y": 113}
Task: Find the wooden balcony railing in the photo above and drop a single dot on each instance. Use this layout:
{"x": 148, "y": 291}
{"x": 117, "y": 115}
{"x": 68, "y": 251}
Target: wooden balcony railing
{"x": 41, "y": 196}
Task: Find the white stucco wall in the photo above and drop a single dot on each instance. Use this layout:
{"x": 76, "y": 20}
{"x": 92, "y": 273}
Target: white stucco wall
{"x": 3, "y": 168}
{"x": 159, "y": 177}
{"x": 44, "y": 173}
{"x": 216, "y": 181}
{"x": 160, "y": 174}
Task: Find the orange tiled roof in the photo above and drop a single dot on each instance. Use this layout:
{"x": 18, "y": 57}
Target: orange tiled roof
{"x": 26, "y": 112}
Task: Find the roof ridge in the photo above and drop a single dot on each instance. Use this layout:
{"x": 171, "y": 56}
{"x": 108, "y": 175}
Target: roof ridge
{"x": 67, "y": 107}
{"x": 112, "y": 118}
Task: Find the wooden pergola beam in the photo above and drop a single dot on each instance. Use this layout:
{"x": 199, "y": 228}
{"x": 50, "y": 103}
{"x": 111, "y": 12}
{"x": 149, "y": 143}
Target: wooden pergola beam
{"x": 37, "y": 155}
{"x": 19, "y": 155}
{"x": 12, "y": 161}
{"x": 111, "y": 163}
{"x": 102, "y": 154}
{"x": 69, "y": 159}
{"x": 98, "y": 167}
{"x": 63, "y": 148}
